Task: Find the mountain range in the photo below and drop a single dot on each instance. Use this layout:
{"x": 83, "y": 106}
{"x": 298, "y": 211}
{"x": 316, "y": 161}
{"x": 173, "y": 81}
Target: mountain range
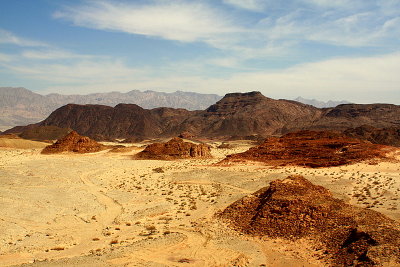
{"x": 320, "y": 104}
{"x": 19, "y": 106}
{"x": 236, "y": 115}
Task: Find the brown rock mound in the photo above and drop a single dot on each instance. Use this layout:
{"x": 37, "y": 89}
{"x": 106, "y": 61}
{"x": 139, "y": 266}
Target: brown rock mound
{"x": 175, "y": 148}
{"x": 294, "y": 208}
{"x": 73, "y": 142}
{"x": 312, "y": 149}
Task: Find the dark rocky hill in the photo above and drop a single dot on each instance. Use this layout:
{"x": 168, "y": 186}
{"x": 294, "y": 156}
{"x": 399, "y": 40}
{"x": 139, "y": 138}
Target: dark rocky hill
{"x": 236, "y": 115}
{"x": 244, "y": 114}
{"x": 123, "y": 121}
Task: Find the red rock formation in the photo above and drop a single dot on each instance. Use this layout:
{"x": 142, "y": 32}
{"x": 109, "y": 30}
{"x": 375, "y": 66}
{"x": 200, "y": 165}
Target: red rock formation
{"x": 73, "y": 142}
{"x": 294, "y": 208}
{"x": 312, "y": 149}
{"x": 175, "y": 148}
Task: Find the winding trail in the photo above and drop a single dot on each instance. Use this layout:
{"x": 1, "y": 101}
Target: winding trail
{"x": 112, "y": 208}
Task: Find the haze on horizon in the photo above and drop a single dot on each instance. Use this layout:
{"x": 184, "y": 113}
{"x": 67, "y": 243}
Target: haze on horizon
{"x": 327, "y": 50}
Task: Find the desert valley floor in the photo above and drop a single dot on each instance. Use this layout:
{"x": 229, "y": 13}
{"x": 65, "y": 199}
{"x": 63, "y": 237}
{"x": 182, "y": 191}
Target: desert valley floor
{"x": 107, "y": 209}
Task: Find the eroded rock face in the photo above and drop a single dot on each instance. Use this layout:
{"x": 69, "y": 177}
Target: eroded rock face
{"x": 312, "y": 149}
{"x": 175, "y": 148}
{"x": 295, "y": 208}
{"x": 73, "y": 142}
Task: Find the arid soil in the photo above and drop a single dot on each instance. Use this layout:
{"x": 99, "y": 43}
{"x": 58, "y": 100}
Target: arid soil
{"x": 106, "y": 209}
{"x": 312, "y": 149}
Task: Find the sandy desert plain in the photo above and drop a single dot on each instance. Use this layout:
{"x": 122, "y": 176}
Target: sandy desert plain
{"x": 107, "y": 209}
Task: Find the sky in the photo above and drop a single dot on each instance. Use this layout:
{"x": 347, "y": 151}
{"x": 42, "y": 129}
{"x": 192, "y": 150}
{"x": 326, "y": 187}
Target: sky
{"x": 322, "y": 49}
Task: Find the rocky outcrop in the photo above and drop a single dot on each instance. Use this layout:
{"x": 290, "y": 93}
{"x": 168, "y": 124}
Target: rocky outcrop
{"x": 175, "y": 148}
{"x": 384, "y": 136}
{"x": 294, "y": 208}
{"x": 312, "y": 149}
{"x": 73, "y": 142}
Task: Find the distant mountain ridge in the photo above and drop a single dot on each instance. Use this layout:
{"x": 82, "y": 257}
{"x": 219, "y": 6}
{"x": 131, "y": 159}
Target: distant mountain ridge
{"x": 236, "y": 115}
{"x": 19, "y": 106}
{"x": 321, "y": 104}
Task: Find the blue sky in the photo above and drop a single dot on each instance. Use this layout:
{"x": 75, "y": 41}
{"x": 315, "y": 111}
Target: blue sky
{"x": 324, "y": 49}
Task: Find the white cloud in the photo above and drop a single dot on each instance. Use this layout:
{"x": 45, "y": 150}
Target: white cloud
{"x": 370, "y": 78}
{"x": 52, "y": 54}
{"x": 364, "y": 29}
{"x": 254, "y": 5}
{"x": 7, "y": 37}
{"x": 336, "y": 3}
{"x": 352, "y": 23}
{"x": 78, "y": 73}
{"x": 364, "y": 80}
{"x": 5, "y": 58}
{"x": 175, "y": 20}
{"x": 227, "y": 62}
